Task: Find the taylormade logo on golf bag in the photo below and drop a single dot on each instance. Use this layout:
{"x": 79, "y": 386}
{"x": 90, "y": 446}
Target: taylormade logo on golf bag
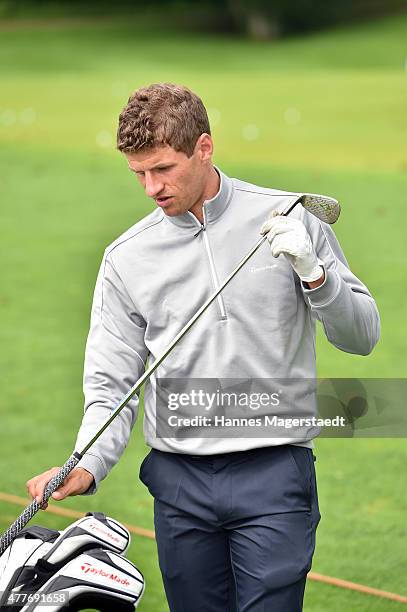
{"x": 95, "y": 571}
{"x": 105, "y": 532}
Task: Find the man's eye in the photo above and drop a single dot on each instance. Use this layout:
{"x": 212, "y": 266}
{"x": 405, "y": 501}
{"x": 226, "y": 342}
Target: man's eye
{"x": 140, "y": 173}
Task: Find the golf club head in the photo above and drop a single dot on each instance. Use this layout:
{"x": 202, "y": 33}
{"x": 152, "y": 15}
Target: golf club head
{"x": 324, "y": 208}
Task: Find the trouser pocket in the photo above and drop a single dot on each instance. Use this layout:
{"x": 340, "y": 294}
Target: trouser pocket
{"x": 302, "y": 459}
{"x": 143, "y": 468}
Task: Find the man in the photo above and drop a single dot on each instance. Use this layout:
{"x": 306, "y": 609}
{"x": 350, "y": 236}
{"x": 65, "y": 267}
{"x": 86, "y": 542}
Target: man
{"x": 235, "y": 517}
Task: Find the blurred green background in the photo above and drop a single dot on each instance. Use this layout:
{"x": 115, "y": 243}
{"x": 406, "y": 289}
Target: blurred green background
{"x": 301, "y": 106}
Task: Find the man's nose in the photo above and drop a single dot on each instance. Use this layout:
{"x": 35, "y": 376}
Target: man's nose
{"x": 152, "y": 186}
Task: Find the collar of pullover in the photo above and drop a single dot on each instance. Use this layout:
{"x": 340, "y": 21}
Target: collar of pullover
{"x": 212, "y": 209}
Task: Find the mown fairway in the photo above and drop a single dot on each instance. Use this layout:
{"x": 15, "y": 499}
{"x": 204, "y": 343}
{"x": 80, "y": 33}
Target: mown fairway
{"x": 326, "y": 114}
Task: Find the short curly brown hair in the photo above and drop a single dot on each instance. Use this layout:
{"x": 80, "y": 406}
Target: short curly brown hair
{"x": 162, "y": 114}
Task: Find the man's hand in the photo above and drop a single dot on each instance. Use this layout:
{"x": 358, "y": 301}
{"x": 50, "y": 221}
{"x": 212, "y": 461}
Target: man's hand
{"x": 290, "y": 237}
{"x": 77, "y": 482}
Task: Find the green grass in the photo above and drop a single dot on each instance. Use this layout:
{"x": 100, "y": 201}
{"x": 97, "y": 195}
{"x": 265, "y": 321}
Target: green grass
{"x": 66, "y": 194}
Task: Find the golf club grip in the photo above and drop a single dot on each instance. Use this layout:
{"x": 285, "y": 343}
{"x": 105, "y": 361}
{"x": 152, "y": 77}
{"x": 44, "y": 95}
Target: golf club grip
{"x": 9, "y": 536}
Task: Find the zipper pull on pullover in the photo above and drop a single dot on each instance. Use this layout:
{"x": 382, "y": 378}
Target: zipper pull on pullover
{"x": 201, "y": 229}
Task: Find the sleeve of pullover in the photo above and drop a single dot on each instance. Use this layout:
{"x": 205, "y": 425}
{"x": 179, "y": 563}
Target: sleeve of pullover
{"x": 342, "y": 303}
{"x": 115, "y": 358}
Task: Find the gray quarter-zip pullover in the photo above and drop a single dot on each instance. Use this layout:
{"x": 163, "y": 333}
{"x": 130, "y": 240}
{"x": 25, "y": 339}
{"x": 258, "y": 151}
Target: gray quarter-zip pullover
{"x": 156, "y": 275}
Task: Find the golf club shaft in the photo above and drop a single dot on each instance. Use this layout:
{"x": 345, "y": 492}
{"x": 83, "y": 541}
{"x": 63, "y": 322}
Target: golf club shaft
{"x": 27, "y": 514}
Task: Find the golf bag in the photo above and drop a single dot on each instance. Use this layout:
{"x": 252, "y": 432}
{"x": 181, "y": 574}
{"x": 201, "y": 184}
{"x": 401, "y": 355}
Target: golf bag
{"x": 82, "y": 566}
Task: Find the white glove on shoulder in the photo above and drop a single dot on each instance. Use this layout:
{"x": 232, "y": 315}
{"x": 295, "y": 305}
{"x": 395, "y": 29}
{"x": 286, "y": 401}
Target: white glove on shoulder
{"x": 290, "y": 236}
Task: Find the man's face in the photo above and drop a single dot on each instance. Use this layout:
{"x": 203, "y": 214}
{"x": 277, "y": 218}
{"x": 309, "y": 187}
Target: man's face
{"x": 175, "y": 182}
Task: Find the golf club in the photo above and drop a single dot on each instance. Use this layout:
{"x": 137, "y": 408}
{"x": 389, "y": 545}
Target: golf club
{"x": 324, "y": 208}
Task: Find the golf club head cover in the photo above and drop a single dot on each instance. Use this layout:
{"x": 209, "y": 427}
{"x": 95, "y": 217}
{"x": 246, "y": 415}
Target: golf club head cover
{"x": 100, "y": 579}
{"x": 37, "y": 553}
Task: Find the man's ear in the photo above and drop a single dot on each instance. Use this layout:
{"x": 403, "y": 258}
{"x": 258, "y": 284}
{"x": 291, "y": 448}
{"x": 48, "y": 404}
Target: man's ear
{"x": 204, "y": 147}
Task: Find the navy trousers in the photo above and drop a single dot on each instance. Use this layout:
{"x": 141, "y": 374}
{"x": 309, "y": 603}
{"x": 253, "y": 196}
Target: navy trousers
{"x": 235, "y": 532}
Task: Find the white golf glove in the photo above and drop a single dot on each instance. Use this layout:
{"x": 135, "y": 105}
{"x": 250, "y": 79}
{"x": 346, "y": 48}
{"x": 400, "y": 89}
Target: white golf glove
{"x": 290, "y": 237}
